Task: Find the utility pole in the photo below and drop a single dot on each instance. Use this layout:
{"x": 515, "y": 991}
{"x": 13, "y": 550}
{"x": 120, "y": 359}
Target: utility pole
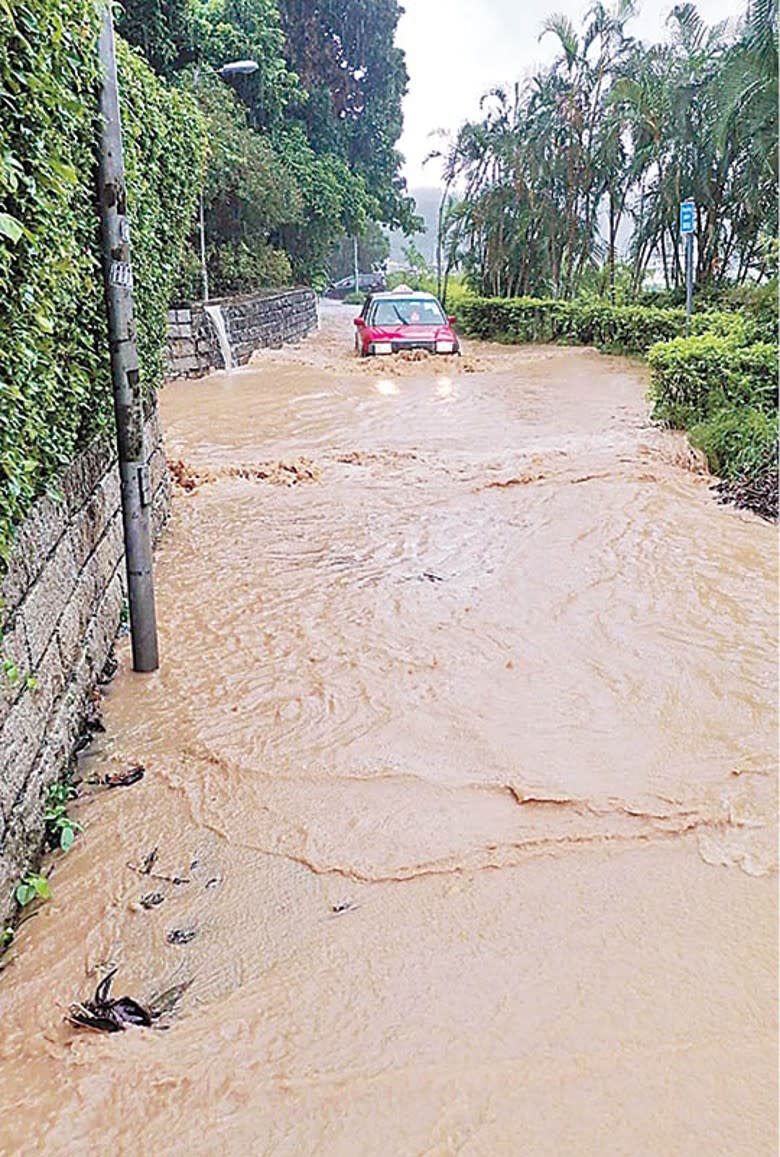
{"x": 355, "y": 262}
{"x": 128, "y": 401}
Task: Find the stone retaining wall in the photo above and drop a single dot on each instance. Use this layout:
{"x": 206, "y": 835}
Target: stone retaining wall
{"x": 62, "y": 602}
{"x": 261, "y": 320}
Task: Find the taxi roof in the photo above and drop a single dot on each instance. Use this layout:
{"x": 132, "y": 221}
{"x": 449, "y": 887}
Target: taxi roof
{"x": 404, "y": 291}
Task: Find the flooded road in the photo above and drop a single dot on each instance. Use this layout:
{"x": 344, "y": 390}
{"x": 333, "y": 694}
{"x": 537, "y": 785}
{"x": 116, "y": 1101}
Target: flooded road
{"x": 463, "y": 755}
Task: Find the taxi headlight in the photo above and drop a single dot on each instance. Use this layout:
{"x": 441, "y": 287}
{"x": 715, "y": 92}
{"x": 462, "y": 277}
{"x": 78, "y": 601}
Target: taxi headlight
{"x": 383, "y": 347}
{"x": 445, "y": 347}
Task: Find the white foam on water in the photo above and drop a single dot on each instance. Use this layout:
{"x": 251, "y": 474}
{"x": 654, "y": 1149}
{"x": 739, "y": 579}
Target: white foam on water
{"x": 218, "y": 321}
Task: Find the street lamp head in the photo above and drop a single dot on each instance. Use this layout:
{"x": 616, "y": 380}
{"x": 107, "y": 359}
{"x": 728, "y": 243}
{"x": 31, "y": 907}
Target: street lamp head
{"x": 239, "y": 68}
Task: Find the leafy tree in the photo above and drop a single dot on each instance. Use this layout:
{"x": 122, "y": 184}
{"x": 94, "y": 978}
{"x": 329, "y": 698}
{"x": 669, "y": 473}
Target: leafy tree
{"x": 229, "y": 30}
{"x": 616, "y": 131}
{"x": 335, "y": 202}
{"x": 355, "y": 77}
{"x": 303, "y": 153}
{"x": 161, "y": 28}
{"x": 373, "y": 252}
{"x": 249, "y": 194}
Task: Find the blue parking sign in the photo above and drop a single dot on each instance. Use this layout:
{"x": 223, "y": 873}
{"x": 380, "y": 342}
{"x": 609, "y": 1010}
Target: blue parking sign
{"x": 687, "y": 209}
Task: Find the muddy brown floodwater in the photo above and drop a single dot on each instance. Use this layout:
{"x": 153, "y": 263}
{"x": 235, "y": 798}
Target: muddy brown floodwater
{"x": 463, "y": 747}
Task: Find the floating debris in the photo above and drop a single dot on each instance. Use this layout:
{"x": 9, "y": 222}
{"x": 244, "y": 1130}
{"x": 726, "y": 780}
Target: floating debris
{"x": 124, "y": 778}
{"x": 346, "y": 906}
{"x": 110, "y": 669}
{"x": 105, "y": 1014}
{"x": 186, "y": 478}
{"x": 278, "y": 473}
{"x": 152, "y": 900}
{"x": 92, "y": 722}
{"x": 181, "y": 935}
{"x": 145, "y": 869}
{"x": 93, "y": 718}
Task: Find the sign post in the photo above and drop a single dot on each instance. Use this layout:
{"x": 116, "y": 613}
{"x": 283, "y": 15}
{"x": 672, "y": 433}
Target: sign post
{"x": 687, "y": 229}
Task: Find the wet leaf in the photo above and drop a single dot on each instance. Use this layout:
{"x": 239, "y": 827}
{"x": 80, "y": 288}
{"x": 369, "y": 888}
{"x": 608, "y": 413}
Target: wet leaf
{"x": 10, "y": 227}
{"x": 166, "y": 1001}
{"x": 110, "y": 1015}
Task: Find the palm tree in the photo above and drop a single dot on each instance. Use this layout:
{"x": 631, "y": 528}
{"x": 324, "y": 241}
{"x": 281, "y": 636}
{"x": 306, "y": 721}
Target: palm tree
{"x": 613, "y": 129}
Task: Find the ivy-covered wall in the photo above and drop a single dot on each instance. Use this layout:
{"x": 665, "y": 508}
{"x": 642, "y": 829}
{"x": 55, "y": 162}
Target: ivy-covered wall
{"x": 54, "y": 377}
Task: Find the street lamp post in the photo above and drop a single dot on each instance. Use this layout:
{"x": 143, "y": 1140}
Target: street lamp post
{"x": 234, "y": 68}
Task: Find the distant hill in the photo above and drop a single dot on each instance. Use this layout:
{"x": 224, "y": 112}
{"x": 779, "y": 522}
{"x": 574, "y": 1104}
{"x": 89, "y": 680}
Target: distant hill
{"x": 428, "y": 208}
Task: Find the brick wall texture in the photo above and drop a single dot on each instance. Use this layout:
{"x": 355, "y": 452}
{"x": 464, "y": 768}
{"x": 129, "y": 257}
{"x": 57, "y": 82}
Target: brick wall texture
{"x": 263, "y": 320}
{"x": 64, "y": 589}
{"x": 62, "y": 603}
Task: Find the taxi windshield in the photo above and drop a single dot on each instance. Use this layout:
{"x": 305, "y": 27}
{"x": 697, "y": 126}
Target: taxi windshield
{"x": 408, "y": 311}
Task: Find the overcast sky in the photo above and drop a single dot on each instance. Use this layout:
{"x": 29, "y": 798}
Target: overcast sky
{"x": 458, "y": 49}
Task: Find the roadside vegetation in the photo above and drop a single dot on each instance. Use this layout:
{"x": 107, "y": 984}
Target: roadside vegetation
{"x": 60, "y": 832}
{"x": 302, "y": 151}
{"x": 607, "y": 141}
{"x": 288, "y": 159}
{"x": 54, "y": 373}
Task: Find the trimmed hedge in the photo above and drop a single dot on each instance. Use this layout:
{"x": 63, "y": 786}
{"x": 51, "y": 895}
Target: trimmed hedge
{"x": 54, "y": 379}
{"x": 694, "y": 377}
{"x": 615, "y": 328}
{"x": 725, "y": 395}
{"x": 740, "y": 443}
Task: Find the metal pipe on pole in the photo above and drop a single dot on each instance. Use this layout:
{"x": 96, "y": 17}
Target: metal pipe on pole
{"x": 204, "y": 269}
{"x": 128, "y": 400}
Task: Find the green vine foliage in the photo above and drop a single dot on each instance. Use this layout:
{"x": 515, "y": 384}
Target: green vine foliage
{"x": 54, "y": 373}
{"x": 165, "y": 163}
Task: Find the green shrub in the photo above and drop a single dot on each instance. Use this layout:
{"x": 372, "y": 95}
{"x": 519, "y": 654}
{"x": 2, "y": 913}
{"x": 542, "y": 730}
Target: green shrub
{"x": 757, "y": 305}
{"x": 692, "y": 378}
{"x": 54, "y": 379}
{"x": 739, "y": 442}
{"x": 614, "y": 328}
{"x": 625, "y": 328}
{"x": 234, "y": 268}
{"x": 458, "y": 293}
